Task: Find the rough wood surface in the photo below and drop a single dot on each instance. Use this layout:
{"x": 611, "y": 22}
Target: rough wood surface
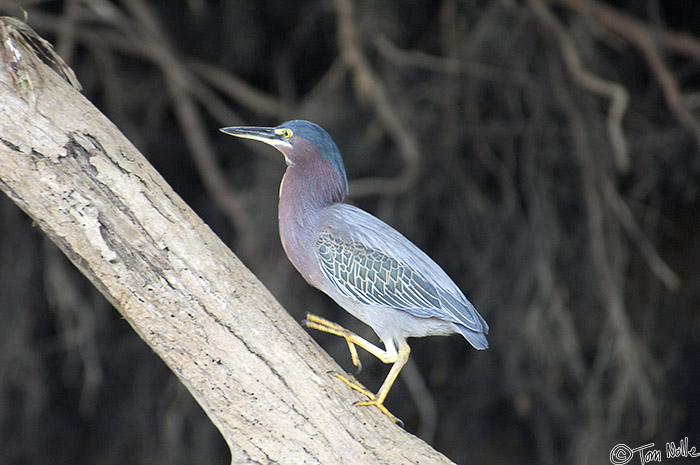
{"x": 256, "y": 373}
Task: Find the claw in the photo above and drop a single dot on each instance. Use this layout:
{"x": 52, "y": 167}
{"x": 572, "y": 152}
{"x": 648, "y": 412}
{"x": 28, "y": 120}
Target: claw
{"x": 357, "y": 386}
{"x": 380, "y": 406}
{"x": 358, "y": 368}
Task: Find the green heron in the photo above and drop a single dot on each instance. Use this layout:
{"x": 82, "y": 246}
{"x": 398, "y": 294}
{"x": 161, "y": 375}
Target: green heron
{"x": 365, "y": 265}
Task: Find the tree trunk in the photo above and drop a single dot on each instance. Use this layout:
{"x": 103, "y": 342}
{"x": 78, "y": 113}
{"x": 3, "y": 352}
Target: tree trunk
{"x": 256, "y": 373}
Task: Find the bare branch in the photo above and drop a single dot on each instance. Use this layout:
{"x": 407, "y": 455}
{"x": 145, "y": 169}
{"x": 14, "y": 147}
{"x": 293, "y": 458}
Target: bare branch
{"x": 616, "y": 93}
{"x": 446, "y": 65}
{"x": 254, "y": 371}
{"x": 649, "y": 44}
{"x": 237, "y": 89}
{"x": 369, "y": 86}
{"x": 177, "y": 78}
{"x": 657, "y": 265}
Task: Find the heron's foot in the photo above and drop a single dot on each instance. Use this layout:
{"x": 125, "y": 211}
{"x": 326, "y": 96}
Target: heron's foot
{"x": 389, "y": 355}
{"x": 380, "y": 406}
{"x": 326, "y": 326}
{"x": 373, "y": 400}
{"x": 353, "y": 383}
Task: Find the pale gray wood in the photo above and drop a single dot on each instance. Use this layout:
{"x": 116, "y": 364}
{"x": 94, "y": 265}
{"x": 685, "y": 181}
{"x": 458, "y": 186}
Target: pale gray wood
{"x": 256, "y": 373}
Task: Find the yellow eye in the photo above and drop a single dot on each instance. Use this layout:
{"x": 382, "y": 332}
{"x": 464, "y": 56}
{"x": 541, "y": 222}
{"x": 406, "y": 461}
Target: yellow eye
{"x": 286, "y": 133}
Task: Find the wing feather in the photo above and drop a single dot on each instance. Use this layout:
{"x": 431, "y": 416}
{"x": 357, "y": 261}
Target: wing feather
{"x": 368, "y": 261}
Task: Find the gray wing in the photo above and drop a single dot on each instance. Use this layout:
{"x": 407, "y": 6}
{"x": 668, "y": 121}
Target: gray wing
{"x": 370, "y": 262}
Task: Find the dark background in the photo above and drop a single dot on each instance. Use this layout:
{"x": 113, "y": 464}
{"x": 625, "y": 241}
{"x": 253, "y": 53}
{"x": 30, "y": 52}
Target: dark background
{"x": 582, "y": 253}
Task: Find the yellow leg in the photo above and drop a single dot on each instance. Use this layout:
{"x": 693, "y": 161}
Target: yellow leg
{"x": 390, "y": 355}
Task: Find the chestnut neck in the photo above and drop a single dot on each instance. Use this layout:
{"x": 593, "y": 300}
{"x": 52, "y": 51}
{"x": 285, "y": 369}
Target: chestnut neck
{"x": 309, "y": 185}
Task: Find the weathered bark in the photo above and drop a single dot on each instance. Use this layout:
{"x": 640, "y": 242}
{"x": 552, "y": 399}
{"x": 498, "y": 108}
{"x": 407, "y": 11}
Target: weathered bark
{"x": 252, "y": 368}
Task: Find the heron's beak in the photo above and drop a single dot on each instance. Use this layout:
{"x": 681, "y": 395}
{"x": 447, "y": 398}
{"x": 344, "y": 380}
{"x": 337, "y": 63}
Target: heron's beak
{"x": 270, "y": 136}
